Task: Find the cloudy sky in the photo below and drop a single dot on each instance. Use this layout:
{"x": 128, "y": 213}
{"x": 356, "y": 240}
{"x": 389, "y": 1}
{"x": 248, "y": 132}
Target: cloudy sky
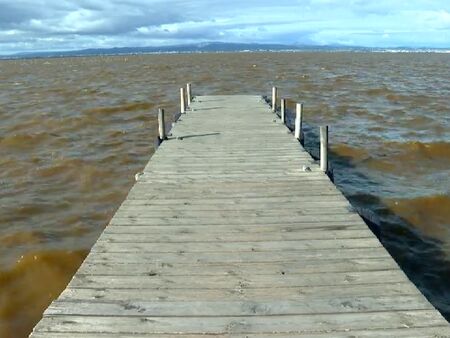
{"x": 41, "y": 25}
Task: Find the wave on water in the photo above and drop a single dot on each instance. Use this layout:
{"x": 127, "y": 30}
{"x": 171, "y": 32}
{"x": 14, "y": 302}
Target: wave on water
{"x": 422, "y": 150}
{"x": 32, "y": 283}
{"x": 429, "y": 214}
{"x": 129, "y": 107}
{"x": 410, "y": 158}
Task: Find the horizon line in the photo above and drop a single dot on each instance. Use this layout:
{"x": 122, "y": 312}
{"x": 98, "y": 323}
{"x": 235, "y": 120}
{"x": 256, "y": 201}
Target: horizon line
{"x": 197, "y": 48}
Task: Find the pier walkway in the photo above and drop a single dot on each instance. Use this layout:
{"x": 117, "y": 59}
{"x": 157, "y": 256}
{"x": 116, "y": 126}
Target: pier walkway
{"x": 233, "y": 230}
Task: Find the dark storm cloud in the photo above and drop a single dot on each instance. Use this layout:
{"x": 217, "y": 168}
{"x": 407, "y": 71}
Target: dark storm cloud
{"x": 12, "y": 14}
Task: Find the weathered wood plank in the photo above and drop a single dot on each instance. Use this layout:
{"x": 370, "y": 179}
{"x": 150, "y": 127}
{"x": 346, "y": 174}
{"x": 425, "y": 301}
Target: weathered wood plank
{"x": 312, "y": 323}
{"x": 312, "y": 213}
{"x": 196, "y": 196}
{"x": 261, "y": 294}
{"x": 169, "y": 220}
{"x": 255, "y": 229}
{"x": 215, "y": 190}
{"x": 254, "y": 246}
{"x": 227, "y": 257}
{"x": 299, "y": 200}
{"x": 427, "y": 332}
{"x": 241, "y": 269}
{"x": 187, "y": 235}
{"x": 307, "y": 305}
{"x": 230, "y": 281}
{"x": 288, "y": 205}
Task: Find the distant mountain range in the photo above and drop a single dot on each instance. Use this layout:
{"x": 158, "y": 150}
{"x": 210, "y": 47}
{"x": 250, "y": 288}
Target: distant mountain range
{"x": 211, "y": 47}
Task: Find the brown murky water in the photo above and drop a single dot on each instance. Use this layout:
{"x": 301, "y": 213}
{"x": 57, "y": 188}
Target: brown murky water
{"x": 74, "y": 131}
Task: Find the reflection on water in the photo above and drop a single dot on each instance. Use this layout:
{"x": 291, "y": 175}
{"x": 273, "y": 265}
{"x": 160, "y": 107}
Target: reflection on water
{"x": 74, "y": 131}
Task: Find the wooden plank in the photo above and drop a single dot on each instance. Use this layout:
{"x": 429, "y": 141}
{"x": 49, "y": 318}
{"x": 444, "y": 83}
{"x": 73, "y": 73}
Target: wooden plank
{"x": 227, "y": 189}
{"x": 230, "y": 281}
{"x": 299, "y": 324}
{"x": 287, "y": 205}
{"x": 227, "y": 257}
{"x": 260, "y": 202}
{"x": 197, "y": 196}
{"x": 196, "y": 235}
{"x": 251, "y": 186}
{"x": 243, "y": 308}
{"x": 254, "y": 186}
{"x": 427, "y": 332}
{"x": 248, "y": 220}
{"x": 305, "y": 213}
{"x": 261, "y": 294}
{"x": 163, "y": 179}
{"x": 241, "y": 269}
{"x": 254, "y": 246}
{"x": 255, "y": 229}
{"x": 171, "y": 194}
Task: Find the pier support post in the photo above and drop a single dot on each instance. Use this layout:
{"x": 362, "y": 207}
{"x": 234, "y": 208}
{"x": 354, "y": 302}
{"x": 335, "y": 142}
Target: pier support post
{"x": 188, "y": 94}
{"x": 298, "y": 121}
{"x": 283, "y": 111}
{"x": 324, "y": 148}
{"x": 274, "y": 99}
{"x": 182, "y": 101}
{"x": 161, "y": 125}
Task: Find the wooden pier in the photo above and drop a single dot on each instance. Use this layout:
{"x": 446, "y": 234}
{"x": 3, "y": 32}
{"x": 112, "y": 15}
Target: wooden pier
{"x": 233, "y": 230}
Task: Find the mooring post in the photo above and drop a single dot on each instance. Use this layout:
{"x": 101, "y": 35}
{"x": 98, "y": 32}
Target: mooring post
{"x": 298, "y": 121}
{"x": 161, "y": 125}
{"x": 324, "y": 148}
{"x": 274, "y": 99}
{"x": 188, "y": 94}
{"x": 283, "y": 111}
{"x": 182, "y": 101}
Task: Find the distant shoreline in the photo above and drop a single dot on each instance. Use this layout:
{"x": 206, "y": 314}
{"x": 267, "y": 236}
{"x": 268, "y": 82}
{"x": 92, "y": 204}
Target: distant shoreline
{"x": 217, "y": 48}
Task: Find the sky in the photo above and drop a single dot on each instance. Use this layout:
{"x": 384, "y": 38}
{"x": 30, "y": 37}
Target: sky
{"x": 50, "y": 25}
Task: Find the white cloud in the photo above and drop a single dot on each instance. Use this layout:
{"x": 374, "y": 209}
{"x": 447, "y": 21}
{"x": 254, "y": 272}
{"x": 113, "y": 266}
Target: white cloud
{"x": 63, "y": 24}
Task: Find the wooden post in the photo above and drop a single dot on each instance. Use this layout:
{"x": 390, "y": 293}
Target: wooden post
{"x": 161, "y": 125}
{"x": 274, "y": 99}
{"x": 283, "y": 111}
{"x": 324, "y": 148}
{"x": 299, "y": 121}
{"x": 182, "y": 101}
{"x": 188, "y": 94}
